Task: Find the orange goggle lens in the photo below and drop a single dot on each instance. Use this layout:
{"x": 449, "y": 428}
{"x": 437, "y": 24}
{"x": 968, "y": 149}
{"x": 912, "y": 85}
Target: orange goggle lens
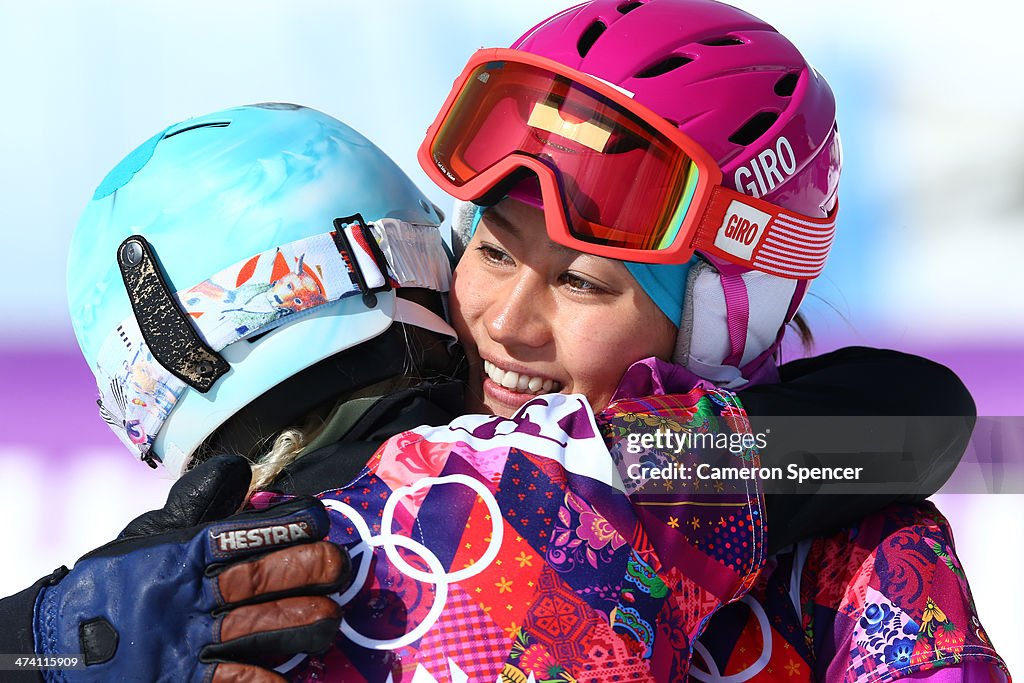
{"x": 621, "y": 182}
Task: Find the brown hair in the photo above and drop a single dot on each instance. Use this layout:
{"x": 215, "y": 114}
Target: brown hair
{"x": 803, "y": 331}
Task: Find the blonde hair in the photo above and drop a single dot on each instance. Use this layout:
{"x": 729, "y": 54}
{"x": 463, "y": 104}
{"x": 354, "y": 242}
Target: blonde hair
{"x": 291, "y": 443}
{"x": 286, "y": 449}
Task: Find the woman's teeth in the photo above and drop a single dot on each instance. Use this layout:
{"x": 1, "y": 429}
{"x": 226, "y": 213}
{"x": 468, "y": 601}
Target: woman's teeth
{"x": 524, "y": 384}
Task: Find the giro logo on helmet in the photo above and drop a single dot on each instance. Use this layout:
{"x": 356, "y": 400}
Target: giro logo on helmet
{"x": 741, "y": 230}
{"x": 768, "y": 169}
{"x": 266, "y": 537}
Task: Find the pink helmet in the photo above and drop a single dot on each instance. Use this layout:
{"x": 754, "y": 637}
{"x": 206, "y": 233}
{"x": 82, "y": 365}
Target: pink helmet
{"x": 746, "y": 94}
{"x": 727, "y": 79}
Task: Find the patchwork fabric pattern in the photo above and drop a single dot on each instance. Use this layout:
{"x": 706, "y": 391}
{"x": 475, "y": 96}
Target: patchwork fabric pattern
{"x": 479, "y": 644}
{"x": 883, "y": 600}
{"x": 702, "y": 515}
{"x": 546, "y": 567}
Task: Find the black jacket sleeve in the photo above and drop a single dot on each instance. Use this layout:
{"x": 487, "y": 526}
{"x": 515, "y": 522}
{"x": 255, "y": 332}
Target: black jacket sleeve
{"x": 929, "y": 416}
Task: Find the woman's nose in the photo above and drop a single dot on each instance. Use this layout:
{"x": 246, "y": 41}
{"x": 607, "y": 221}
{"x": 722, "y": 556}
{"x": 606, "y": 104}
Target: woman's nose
{"x": 518, "y": 314}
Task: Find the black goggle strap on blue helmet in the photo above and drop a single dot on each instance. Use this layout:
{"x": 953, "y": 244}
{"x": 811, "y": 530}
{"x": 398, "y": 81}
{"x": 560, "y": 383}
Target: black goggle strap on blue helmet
{"x": 172, "y": 340}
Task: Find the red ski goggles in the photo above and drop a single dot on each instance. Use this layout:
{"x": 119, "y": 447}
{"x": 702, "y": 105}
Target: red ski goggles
{"x": 624, "y": 182}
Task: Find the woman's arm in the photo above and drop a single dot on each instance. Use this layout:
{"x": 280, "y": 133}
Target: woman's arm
{"x": 929, "y": 415}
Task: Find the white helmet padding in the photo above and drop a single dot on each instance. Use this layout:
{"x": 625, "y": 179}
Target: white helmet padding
{"x": 703, "y": 344}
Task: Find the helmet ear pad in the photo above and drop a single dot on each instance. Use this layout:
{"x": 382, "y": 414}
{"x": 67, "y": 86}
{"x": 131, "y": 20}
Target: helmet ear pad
{"x": 252, "y": 429}
{"x": 703, "y": 342}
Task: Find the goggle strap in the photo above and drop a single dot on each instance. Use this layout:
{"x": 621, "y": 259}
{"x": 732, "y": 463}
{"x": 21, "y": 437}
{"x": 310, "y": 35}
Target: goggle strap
{"x": 415, "y": 254}
{"x": 762, "y": 236}
{"x": 254, "y": 296}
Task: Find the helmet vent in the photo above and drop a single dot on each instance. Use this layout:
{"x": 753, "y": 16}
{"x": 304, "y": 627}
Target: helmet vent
{"x": 723, "y": 41}
{"x": 757, "y": 126}
{"x": 786, "y": 85}
{"x": 590, "y": 37}
{"x": 211, "y": 124}
{"x": 664, "y": 66}
{"x": 627, "y": 7}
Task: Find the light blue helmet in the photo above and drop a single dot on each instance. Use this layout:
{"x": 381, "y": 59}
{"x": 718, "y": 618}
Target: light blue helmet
{"x": 221, "y": 229}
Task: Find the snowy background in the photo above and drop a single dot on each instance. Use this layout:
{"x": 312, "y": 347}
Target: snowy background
{"x": 926, "y": 259}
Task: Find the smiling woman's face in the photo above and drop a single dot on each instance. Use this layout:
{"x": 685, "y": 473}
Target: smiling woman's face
{"x": 536, "y": 317}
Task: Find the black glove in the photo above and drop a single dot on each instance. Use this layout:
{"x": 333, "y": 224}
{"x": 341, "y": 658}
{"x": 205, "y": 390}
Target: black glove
{"x": 213, "y": 490}
{"x": 180, "y": 597}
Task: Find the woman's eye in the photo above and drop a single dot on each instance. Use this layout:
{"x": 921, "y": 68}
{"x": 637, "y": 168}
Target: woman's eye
{"x": 580, "y": 284}
{"x": 494, "y": 255}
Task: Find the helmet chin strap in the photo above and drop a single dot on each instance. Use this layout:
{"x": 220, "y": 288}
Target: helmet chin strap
{"x": 737, "y": 311}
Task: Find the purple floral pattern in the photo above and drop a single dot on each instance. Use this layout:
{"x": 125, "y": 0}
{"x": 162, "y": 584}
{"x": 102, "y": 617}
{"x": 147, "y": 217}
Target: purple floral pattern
{"x": 582, "y": 535}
